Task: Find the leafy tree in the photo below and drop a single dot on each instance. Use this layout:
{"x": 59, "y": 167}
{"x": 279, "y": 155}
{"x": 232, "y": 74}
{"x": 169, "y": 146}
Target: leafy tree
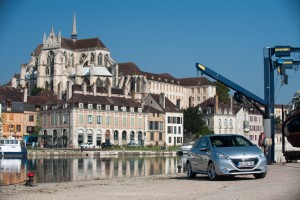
{"x": 222, "y": 92}
{"x": 193, "y": 121}
{"x": 36, "y": 90}
{"x": 277, "y": 121}
{"x": 38, "y": 126}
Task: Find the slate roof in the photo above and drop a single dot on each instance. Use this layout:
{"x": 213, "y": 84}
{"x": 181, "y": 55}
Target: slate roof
{"x": 90, "y": 43}
{"x": 129, "y": 68}
{"x": 12, "y": 94}
{"x": 169, "y": 106}
{"x": 195, "y": 81}
{"x": 103, "y": 100}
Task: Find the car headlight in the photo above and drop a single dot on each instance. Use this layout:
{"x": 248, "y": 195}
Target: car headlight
{"x": 262, "y": 155}
{"x": 222, "y": 156}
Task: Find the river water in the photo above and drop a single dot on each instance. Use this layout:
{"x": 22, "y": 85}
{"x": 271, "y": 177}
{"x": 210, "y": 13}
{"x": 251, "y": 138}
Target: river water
{"x": 46, "y": 170}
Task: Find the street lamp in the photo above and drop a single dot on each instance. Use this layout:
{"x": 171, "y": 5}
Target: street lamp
{"x": 10, "y": 129}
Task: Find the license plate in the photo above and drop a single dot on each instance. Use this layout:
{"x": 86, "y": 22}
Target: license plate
{"x": 246, "y": 163}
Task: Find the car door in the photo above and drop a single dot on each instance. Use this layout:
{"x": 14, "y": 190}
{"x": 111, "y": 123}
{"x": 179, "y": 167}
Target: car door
{"x": 203, "y": 154}
{"x": 197, "y": 154}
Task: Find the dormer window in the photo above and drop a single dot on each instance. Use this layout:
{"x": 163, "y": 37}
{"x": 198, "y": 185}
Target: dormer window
{"x": 90, "y": 106}
{"x": 123, "y": 109}
{"x": 107, "y": 107}
{"x": 80, "y": 105}
{"x": 140, "y": 110}
{"x": 98, "y": 107}
{"x": 131, "y": 109}
{"x": 116, "y": 108}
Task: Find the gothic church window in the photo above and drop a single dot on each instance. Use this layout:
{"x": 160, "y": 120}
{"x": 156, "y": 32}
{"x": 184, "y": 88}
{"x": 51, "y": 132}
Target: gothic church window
{"x": 50, "y": 61}
{"x": 100, "y": 59}
{"x": 92, "y": 58}
{"x": 47, "y": 71}
{"x": 82, "y": 58}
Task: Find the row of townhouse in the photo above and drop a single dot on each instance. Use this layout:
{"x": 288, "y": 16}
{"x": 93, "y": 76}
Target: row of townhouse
{"x": 235, "y": 118}
{"x": 91, "y": 116}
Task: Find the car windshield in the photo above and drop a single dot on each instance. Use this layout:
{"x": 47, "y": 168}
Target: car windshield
{"x": 229, "y": 141}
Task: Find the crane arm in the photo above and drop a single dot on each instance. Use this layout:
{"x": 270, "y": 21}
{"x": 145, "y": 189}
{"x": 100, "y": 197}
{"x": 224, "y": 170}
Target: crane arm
{"x": 230, "y": 84}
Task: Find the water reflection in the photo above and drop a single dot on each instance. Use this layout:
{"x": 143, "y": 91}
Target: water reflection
{"x": 90, "y": 168}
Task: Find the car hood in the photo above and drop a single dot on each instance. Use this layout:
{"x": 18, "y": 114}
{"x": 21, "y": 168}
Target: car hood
{"x": 237, "y": 152}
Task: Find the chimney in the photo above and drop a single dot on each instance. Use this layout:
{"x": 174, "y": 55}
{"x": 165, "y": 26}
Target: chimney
{"x": 25, "y": 94}
{"x": 161, "y": 100}
{"x": 216, "y": 103}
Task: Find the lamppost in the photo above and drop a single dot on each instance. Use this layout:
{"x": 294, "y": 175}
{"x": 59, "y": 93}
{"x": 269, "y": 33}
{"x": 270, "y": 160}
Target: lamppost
{"x": 10, "y": 130}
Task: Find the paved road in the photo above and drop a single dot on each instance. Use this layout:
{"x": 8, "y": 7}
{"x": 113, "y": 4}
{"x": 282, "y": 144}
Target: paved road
{"x": 281, "y": 183}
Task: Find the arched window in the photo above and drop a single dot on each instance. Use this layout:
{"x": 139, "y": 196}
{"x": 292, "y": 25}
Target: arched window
{"x": 132, "y": 136}
{"x": 99, "y": 83}
{"x": 50, "y": 61}
{"x": 46, "y": 86}
{"x": 124, "y": 135}
{"x": 82, "y": 58}
{"x": 100, "y": 62}
{"x": 116, "y": 135}
{"x": 47, "y": 71}
{"x": 92, "y": 58}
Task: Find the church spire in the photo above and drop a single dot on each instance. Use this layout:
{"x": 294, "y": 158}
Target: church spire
{"x": 74, "y": 29}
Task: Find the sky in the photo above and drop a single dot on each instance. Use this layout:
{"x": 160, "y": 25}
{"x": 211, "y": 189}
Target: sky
{"x": 163, "y": 36}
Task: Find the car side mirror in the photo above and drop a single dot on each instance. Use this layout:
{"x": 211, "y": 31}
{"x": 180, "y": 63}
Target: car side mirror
{"x": 203, "y": 149}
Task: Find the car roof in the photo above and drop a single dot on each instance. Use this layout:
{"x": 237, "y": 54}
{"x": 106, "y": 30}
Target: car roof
{"x": 226, "y": 134}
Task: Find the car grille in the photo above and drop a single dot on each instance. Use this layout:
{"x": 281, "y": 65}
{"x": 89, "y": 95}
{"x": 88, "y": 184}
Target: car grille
{"x": 236, "y": 163}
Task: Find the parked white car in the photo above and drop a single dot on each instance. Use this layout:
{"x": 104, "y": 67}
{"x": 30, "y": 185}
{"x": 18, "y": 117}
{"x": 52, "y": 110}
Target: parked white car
{"x": 87, "y": 145}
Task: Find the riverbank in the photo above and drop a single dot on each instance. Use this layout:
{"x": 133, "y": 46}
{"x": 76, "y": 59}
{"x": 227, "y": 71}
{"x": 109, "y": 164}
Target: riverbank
{"x": 282, "y": 182}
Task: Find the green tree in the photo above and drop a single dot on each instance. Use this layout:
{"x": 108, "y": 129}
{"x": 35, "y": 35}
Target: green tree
{"x": 36, "y": 90}
{"x": 222, "y": 92}
{"x": 193, "y": 121}
{"x": 38, "y": 126}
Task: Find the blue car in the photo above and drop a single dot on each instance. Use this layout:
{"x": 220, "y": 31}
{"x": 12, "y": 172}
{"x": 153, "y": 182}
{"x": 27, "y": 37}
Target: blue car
{"x": 225, "y": 155}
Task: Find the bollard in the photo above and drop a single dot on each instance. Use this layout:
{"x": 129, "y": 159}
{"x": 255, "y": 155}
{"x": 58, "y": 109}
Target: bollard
{"x": 179, "y": 168}
{"x": 30, "y": 176}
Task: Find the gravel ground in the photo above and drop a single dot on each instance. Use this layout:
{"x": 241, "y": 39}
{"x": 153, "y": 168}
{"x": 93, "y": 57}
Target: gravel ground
{"x": 282, "y": 182}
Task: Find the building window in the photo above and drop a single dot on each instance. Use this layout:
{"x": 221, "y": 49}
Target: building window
{"x": 107, "y": 107}
{"x": 108, "y": 120}
{"x": 99, "y": 120}
{"x": 116, "y": 135}
{"x": 151, "y": 136}
{"x": 65, "y": 119}
{"x": 53, "y": 120}
{"x": 80, "y": 105}
{"x": 160, "y": 136}
{"x": 98, "y": 107}
{"x": 132, "y": 122}
{"x": 80, "y": 118}
{"x": 170, "y": 140}
{"x": 124, "y": 135}
{"x": 90, "y": 138}
{"x": 31, "y": 118}
{"x": 116, "y": 121}
{"x": 90, "y": 106}
{"x": 179, "y": 129}
{"x": 90, "y": 119}
{"x": 124, "y": 121}
{"x": 18, "y": 128}
{"x": 170, "y": 129}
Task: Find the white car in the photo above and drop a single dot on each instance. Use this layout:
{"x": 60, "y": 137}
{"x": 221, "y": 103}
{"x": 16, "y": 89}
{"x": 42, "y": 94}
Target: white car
{"x": 87, "y": 145}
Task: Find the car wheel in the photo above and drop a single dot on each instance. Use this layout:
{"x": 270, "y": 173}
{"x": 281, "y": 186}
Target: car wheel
{"x": 189, "y": 171}
{"x": 258, "y": 176}
{"x": 211, "y": 172}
